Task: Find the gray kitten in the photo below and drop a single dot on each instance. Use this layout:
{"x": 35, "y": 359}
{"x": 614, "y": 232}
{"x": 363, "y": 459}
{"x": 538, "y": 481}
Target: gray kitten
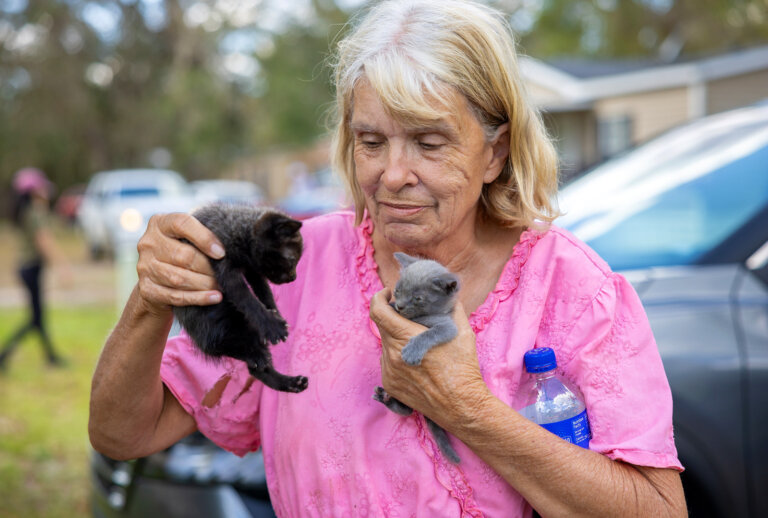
{"x": 425, "y": 293}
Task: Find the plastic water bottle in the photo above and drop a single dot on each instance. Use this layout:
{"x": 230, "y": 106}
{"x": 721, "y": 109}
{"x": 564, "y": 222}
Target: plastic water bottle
{"x": 551, "y": 401}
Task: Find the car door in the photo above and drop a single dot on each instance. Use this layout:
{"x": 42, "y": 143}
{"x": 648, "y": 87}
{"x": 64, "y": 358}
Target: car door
{"x": 752, "y": 319}
{"x": 691, "y": 314}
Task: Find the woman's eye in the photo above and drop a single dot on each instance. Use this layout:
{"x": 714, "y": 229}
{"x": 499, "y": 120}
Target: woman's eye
{"x": 370, "y": 143}
{"x": 430, "y": 144}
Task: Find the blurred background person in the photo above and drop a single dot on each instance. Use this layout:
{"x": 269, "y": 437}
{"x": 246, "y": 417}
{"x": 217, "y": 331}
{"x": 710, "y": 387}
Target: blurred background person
{"x": 31, "y": 215}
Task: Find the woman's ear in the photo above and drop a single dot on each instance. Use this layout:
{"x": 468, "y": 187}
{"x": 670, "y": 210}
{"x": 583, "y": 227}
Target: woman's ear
{"x": 500, "y": 149}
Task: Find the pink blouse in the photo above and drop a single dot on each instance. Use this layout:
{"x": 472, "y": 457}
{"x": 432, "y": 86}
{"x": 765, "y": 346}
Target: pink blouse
{"x": 334, "y": 451}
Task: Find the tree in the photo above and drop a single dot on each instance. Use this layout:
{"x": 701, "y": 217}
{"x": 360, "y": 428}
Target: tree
{"x": 297, "y": 82}
{"x": 91, "y": 85}
{"x": 659, "y": 29}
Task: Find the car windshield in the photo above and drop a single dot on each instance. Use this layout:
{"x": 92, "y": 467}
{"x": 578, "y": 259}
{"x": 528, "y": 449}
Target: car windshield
{"x": 671, "y": 201}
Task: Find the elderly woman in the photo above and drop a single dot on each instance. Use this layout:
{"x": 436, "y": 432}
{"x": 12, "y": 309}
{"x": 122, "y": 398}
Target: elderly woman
{"x": 446, "y": 160}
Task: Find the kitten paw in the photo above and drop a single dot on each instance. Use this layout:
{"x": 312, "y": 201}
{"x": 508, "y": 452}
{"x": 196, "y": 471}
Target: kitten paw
{"x": 393, "y": 404}
{"x": 275, "y": 331}
{"x": 381, "y": 395}
{"x": 297, "y": 384}
{"x": 412, "y": 355}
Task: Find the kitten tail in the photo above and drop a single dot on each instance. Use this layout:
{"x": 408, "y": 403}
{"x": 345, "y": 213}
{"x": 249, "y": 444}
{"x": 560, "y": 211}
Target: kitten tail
{"x": 441, "y": 438}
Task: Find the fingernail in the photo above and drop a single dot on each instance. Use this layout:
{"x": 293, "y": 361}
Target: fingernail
{"x": 216, "y": 251}
{"x": 215, "y": 297}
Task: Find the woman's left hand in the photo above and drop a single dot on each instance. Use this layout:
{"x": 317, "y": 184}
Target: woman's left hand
{"x": 447, "y": 386}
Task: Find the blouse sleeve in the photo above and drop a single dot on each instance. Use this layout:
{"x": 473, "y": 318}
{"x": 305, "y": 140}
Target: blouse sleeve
{"x": 232, "y": 420}
{"x": 612, "y": 356}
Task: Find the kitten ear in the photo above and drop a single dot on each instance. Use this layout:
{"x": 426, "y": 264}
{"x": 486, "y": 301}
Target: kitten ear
{"x": 276, "y": 225}
{"x": 405, "y": 259}
{"x": 446, "y": 282}
{"x": 287, "y": 227}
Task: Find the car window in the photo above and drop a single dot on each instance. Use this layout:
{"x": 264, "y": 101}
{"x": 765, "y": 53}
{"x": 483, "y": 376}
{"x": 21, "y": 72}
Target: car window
{"x": 673, "y": 212}
{"x": 131, "y": 192}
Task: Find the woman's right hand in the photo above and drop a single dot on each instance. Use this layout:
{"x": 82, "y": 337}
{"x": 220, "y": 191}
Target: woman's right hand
{"x": 175, "y": 273}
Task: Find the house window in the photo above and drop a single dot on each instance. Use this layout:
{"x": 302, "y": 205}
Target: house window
{"x": 614, "y": 134}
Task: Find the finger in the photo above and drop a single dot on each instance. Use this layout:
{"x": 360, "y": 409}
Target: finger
{"x": 172, "y": 297}
{"x": 175, "y": 277}
{"x": 186, "y": 256}
{"x": 379, "y": 306}
{"x": 188, "y": 227}
{"x": 392, "y": 326}
{"x": 465, "y": 332}
{"x": 394, "y": 329}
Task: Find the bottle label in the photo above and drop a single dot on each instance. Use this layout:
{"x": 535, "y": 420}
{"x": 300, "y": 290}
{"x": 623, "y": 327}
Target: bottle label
{"x": 575, "y": 430}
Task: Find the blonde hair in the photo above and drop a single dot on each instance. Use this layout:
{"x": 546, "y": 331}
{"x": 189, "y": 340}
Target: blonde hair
{"x": 410, "y": 51}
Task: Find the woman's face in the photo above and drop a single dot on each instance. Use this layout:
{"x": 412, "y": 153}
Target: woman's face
{"x": 421, "y": 184}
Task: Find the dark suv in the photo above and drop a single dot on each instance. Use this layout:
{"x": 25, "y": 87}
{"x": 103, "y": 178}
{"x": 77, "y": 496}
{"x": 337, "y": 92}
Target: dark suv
{"x": 685, "y": 218}
{"x": 193, "y": 478}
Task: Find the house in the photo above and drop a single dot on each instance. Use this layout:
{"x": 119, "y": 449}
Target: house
{"x": 597, "y": 109}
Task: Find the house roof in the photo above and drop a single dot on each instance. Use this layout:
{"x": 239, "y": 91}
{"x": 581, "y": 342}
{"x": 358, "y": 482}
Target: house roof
{"x": 580, "y": 82}
{"x": 583, "y": 68}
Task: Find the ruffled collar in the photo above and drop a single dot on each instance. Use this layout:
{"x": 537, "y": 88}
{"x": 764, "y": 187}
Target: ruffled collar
{"x": 370, "y": 283}
{"x": 367, "y": 269}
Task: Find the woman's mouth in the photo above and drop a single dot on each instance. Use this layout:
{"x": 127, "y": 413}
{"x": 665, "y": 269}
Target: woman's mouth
{"x": 401, "y": 209}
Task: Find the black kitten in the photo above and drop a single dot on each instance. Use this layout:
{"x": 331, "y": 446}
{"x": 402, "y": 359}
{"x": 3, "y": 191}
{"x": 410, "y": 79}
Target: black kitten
{"x": 425, "y": 293}
{"x": 261, "y": 244}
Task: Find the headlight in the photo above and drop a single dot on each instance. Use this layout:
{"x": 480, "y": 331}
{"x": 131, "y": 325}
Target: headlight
{"x": 131, "y": 220}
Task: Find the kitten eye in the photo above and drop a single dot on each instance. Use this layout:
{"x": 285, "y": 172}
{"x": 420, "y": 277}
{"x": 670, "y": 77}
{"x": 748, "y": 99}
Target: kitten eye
{"x": 418, "y": 298}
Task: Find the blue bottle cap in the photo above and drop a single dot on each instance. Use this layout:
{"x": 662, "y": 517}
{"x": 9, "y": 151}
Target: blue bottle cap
{"x": 541, "y": 359}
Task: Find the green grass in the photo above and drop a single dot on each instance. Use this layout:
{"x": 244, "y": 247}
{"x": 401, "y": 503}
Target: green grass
{"x": 44, "y": 445}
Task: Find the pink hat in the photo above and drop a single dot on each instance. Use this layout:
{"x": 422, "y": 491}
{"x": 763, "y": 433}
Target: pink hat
{"x": 31, "y": 179}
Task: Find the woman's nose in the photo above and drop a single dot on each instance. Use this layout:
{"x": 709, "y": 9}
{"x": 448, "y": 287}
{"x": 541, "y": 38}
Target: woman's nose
{"x": 398, "y": 171}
